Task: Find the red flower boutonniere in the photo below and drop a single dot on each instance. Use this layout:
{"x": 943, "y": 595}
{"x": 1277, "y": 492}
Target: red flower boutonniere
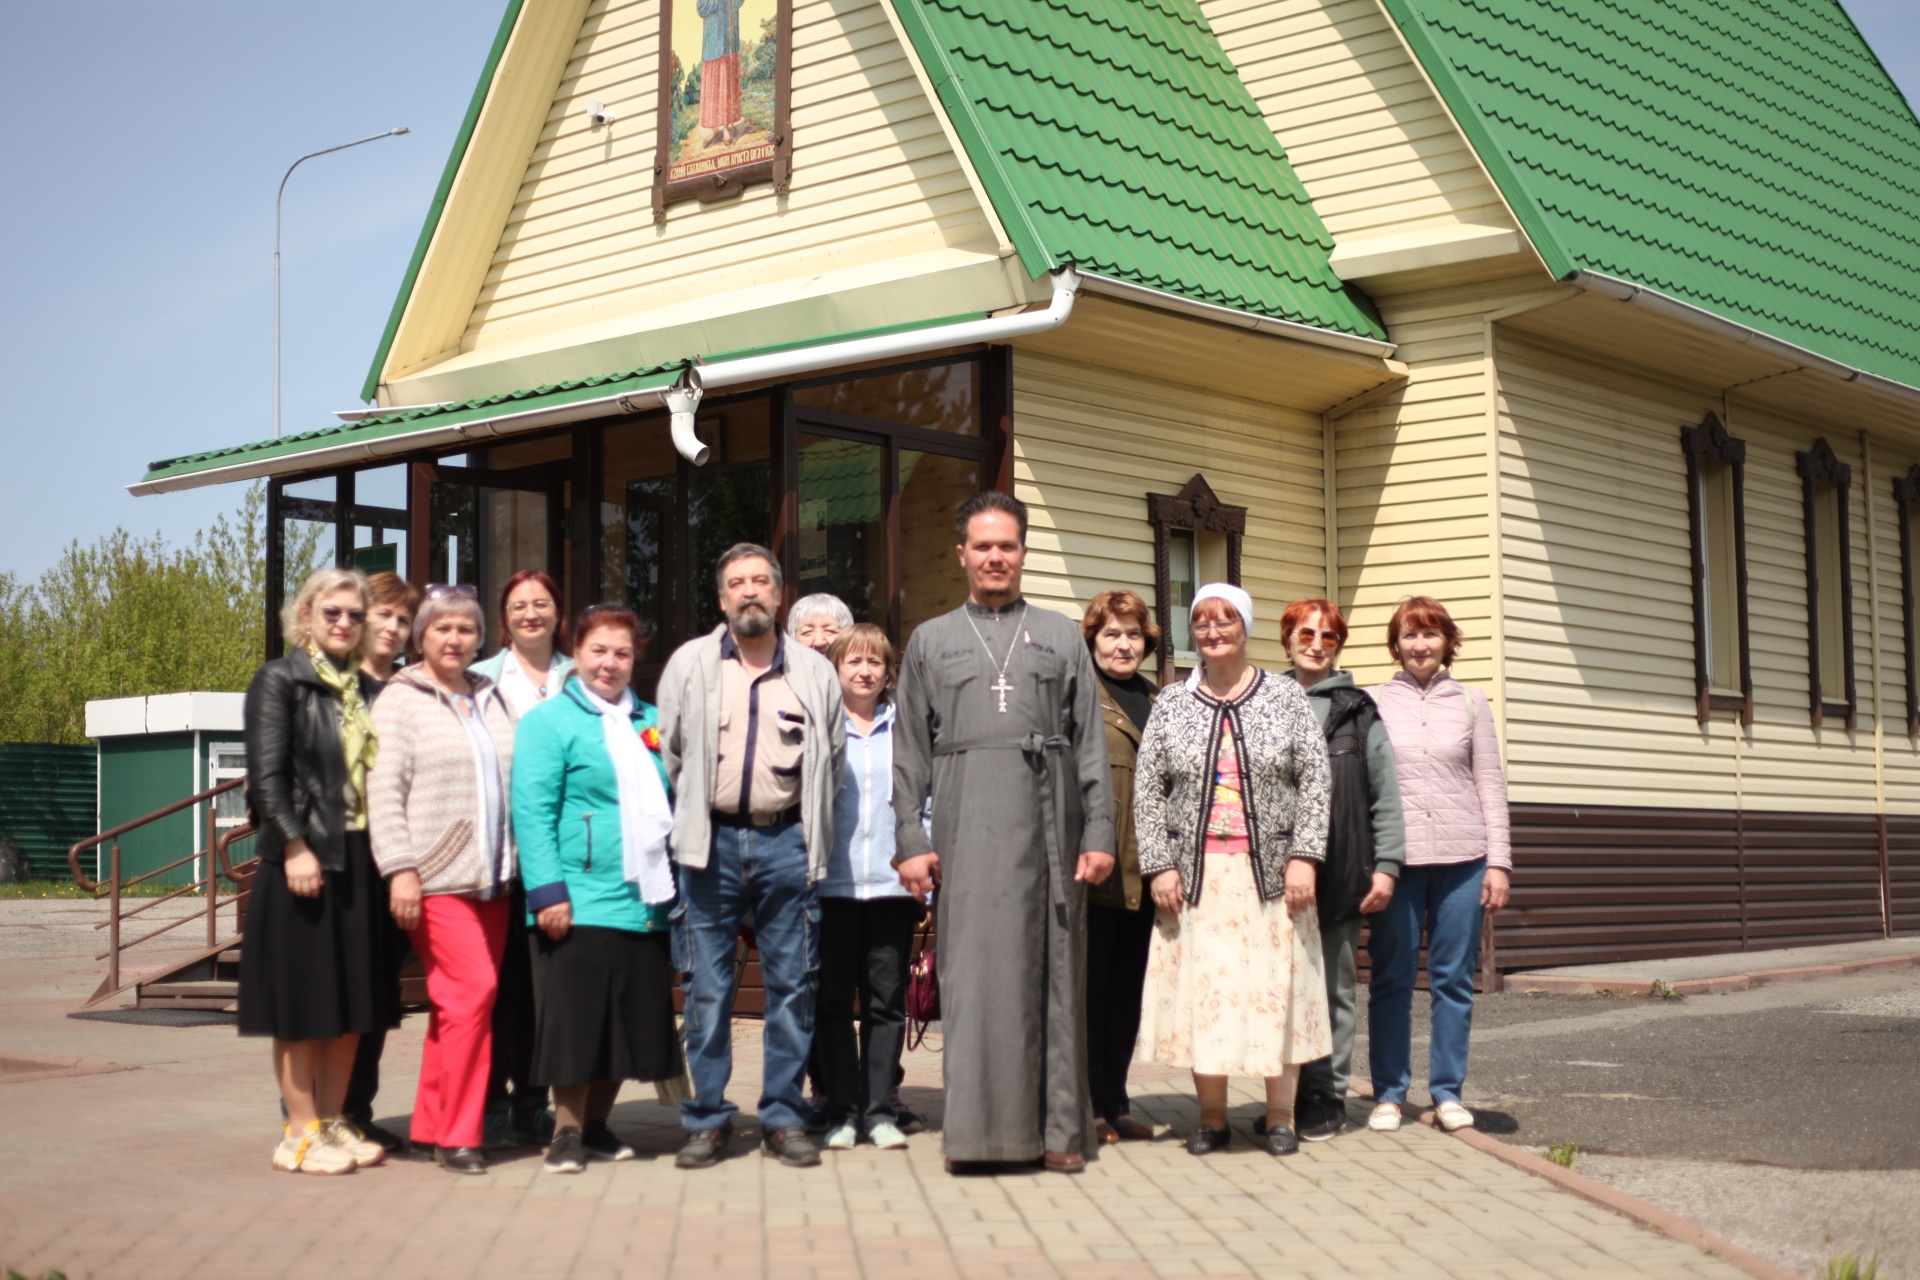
{"x": 651, "y": 736}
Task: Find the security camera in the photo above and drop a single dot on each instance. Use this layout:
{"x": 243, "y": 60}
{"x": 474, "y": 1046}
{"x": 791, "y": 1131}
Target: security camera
{"x": 598, "y": 115}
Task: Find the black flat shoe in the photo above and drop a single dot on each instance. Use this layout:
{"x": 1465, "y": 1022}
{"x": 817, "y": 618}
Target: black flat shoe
{"x": 1282, "y": 1141}
{"x": 460, "y": 1159}
{"x": 1204, "y": 1141}
{"x": 391, "y": 1142}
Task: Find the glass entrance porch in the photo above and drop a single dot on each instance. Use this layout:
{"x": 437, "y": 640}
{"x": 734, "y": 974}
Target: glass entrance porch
{"x": 851, "y": 480}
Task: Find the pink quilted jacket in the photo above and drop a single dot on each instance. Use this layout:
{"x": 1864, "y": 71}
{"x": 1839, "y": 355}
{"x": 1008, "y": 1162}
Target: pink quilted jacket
{"x": 1449, "y": 765}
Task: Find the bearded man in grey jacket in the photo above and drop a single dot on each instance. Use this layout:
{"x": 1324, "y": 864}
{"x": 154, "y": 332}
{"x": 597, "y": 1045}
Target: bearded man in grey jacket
{"x": 753, "y": 736}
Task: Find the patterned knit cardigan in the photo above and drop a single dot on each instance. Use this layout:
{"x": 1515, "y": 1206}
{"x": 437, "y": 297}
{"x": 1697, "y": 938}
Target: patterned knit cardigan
{"x": 1287, "y": 782}
{"x": 423, "y": 797}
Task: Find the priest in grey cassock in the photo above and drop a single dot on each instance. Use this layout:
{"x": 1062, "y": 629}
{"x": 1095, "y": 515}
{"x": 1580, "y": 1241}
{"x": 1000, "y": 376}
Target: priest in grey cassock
{"x": 998, "y": 723}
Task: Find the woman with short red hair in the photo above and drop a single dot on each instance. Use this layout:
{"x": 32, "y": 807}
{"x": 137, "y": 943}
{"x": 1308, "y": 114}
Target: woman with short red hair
{"x": 1366, "y": 842}
{"x": 1458, "y": 858}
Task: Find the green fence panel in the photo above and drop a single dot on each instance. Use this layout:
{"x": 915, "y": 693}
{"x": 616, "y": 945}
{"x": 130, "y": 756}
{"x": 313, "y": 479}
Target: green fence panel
{"x": 47, "y": 794}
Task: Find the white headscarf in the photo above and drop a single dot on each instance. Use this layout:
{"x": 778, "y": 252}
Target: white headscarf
{"x": 646, "y": 819}
{"x": 1242, "y": 604}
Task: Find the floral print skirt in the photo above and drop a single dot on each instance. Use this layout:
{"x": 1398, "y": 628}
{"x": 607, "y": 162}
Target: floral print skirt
{"x": 1235, "y": 986}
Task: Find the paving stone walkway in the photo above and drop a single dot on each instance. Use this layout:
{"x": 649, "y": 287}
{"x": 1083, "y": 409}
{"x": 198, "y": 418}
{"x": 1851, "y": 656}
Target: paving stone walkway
{"x": 162, "y": 1171}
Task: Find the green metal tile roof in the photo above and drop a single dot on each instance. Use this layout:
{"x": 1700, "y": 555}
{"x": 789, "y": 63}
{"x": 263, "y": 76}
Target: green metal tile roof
{"x": 527, "y": 400}
{"x": 1751, "y": 157}
{"x": 1119, "y": 138}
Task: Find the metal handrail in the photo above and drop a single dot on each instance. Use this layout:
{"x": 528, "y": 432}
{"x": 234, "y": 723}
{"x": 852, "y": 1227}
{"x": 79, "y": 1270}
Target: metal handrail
{"x": 219, "y": 863}
{"x": 73, "y": 854}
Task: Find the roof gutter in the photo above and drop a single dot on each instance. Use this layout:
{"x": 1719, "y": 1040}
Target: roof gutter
{"x": 1239, "y": 319}
{"x": 1700, "y": 318}
{"x": 684, "y": 395}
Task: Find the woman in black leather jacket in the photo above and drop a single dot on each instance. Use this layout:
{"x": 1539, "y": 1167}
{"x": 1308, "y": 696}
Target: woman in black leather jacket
{"x": 308, "y": 971}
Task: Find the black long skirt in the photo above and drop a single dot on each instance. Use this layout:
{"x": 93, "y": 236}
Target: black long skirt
{"x": 312, "y": 968}
{"x": 603, "y": 1007}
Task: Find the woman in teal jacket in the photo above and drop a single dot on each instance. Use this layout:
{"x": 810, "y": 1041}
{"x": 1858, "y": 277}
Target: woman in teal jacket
{"x": 591, "y": 814}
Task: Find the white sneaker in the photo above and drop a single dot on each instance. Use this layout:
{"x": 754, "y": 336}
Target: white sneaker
{"x": 309, "y": 1152}
{"x": 887, "y": 1137}
{"x": 346, "y": 1135}
{"x": 1452, "y": 1116}
{"x": 1385, "y": 1117}
{"x": 843, "y": 1136}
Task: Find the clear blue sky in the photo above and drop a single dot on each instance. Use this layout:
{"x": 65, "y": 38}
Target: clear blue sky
{"x": 142, "y": 145}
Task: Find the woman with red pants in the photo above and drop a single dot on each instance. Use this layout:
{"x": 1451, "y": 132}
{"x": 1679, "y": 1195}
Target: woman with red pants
{"x": 439, "y": 802}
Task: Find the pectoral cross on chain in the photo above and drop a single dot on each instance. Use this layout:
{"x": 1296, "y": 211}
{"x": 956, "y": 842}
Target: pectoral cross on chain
{"x": 1002, "y": 688}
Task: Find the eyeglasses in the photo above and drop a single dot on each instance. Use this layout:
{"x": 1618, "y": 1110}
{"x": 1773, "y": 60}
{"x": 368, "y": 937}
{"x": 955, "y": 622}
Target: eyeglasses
{"x": 1214, "y": 628}
{"x": 1307, "y": 635}
{"x": 333, "y": 613}
{"x": 443, "y": 591}
{"x": 536, "y": 606}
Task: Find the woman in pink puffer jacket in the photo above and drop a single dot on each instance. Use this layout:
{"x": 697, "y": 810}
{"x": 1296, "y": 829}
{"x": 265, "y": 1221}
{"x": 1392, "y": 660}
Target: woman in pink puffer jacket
{"x": 1459, "y": 856}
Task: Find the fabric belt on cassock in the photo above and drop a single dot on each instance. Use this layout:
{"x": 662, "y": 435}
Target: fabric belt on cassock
{"x": 1043, "y": 752}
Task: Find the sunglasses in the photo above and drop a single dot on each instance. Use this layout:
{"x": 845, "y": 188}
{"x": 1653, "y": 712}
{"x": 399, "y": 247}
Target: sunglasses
{"x": 443, "y": 591}
{"x": 1307, "y": 635}
{"x": 333, "y": 613}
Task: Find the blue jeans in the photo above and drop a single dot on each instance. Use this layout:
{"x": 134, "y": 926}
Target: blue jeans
{"x": 1444, "y": 902}
{"x": 756, "y": 873}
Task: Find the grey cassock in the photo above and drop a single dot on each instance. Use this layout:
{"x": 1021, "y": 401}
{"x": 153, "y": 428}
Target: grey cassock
{"x": 1017, "y": 797}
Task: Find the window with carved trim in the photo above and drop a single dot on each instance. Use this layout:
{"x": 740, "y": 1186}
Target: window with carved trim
{"x": 1196, "y": 540}
{"x": 1906, "y": 501}
{"x": 1825, "y": 483}
{"x": 1716, "y": 511}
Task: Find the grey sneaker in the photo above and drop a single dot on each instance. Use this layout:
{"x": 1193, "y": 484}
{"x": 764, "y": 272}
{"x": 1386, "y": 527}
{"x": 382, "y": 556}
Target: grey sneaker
{"x": 706, "y": 1148}
{"x": 568, "y": 1154}
{"x": 792, "y": 1147}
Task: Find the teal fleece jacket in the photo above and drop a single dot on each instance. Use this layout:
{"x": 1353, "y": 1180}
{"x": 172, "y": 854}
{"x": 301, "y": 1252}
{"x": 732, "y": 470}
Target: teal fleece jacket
{"x": 565, "y": 795}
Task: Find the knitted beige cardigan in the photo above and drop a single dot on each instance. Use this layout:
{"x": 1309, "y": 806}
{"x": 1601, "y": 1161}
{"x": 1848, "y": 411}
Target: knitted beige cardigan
{"x": 423, "y": 796}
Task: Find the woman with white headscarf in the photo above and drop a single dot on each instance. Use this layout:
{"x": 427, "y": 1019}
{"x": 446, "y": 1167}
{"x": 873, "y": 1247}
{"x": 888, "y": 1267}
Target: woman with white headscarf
{"x": 591, "y": 812}
{"x": 1230, "y": 802}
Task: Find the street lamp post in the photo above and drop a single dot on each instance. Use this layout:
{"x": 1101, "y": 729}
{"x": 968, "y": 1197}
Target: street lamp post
{"x": 278, "y": 197}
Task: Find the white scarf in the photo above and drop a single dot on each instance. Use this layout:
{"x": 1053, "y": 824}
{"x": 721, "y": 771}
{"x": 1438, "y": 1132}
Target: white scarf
{"x": 646, "y": 819}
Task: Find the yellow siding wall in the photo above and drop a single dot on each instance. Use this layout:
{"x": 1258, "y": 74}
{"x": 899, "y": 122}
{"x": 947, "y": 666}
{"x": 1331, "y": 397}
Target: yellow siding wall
{"x": 1412, "y": 479}
{"x": 1599, "y": 671}
{"x": 874, "y": 178}
{"x": 1090, "y": 443}
{"x": 1376, "y": 149}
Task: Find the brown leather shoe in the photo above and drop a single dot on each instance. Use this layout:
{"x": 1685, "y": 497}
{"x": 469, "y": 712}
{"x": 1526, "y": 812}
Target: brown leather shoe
{"x": 1130, "y": 1130}
{"x": 1065, "y": 1162}
{"x": 1103, "y": 1133}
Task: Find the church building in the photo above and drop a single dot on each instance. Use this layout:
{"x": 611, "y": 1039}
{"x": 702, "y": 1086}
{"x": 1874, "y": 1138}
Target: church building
{"x": 1599, "y": 322}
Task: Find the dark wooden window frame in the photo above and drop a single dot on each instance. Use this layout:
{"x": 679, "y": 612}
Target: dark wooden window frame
{"x": 1818, "y": 466}
{"x": 1906, "y": 496}
{"x": 1198, "y": 508}
{"x": 727, "y": 183}
{"x": 992, "y": 449}
{"x": 1710, "y": 442}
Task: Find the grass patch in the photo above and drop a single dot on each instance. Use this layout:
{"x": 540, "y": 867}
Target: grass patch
{"x": 1562, "y": 1154}
{"x": 1848, "y": 1266}
{"x": 68, "y": 889}
{"x": 21, "y": 1275}
{"x": 1661, "y": 991}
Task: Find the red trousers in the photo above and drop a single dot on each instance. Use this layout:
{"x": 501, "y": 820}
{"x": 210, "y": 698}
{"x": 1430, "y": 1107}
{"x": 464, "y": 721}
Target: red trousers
{"x": 460, "y": 941}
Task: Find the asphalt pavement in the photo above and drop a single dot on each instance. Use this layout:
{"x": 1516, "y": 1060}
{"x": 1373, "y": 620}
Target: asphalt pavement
{"x": 1786, "y": 1117}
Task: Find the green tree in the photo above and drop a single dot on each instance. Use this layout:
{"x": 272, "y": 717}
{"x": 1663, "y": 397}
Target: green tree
{"x": 127, "y": 615}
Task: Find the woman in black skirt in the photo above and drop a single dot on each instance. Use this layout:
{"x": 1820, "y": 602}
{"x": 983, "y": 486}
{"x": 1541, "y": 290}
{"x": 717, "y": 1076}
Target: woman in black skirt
{"x": 308, "y": 975}
{"x": 591, "y": 816}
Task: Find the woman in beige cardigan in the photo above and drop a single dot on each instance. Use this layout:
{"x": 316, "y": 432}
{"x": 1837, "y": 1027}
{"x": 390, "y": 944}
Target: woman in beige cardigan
{"x": 439, "y": 803}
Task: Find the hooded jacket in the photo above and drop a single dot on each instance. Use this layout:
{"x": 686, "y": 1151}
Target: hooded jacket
{"x": 424, "y": 805}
